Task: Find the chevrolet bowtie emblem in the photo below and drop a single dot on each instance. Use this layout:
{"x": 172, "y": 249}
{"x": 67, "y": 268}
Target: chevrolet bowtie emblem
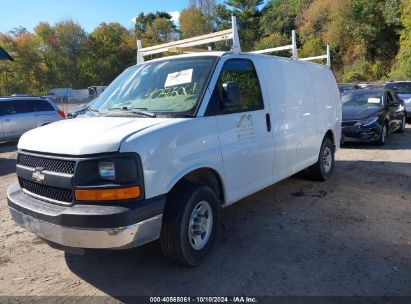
{"x": 37, "y": 175}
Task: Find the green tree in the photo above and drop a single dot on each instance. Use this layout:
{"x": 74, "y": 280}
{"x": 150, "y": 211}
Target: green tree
{"x": 362, "y": 33}
{"x": 26, "y": 73}
{"x": 63, "y": 46}
{"x": 281, "y": 16}
{"x": 247, "y": 13}
{"x": 111, "y": 49}
{"x": 402, "y": 67}
{"x": 208, "y": 10}
{"x": 193, "y": 23}
{"x": 274, "y": 40}
{"x": 155, "y": 28}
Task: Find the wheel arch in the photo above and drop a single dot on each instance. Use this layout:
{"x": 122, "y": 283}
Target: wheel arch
{"x": 330, "y": 134}
{"x": 207, "y": 176}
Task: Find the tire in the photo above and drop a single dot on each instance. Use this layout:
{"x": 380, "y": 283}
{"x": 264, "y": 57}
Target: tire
{"x": 324, "y": 167}
{"x": 190, "y": 222}
{"x": 383, "y": 135}
{"x": 402, "y": 126}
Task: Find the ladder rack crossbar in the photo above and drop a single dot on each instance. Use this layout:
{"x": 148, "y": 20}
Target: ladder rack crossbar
{"x": 199, "y": 40}
{"x": 272, "y": 50}
{"x": 229, "y": 34}
{"x": 327, "y": 56}
{"x": 314, "y": 58}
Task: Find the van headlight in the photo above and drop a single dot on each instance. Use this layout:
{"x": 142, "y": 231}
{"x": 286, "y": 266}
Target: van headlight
{"x": 369, "y": 121}
{"x": 107, "y": 170}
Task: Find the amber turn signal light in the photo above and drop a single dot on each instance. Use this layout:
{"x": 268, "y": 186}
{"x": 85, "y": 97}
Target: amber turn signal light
{"x": 114, "y": 194}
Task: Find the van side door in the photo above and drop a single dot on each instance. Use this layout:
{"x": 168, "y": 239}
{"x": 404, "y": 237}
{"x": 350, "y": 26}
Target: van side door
{"x": 245, "y": 135}
{"x": 18, "y": 118}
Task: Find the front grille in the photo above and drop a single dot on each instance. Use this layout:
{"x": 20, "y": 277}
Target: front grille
{"x": 349, "y": 123}
{"x": 55, "y": 165}
{"x": 54, "y": 193}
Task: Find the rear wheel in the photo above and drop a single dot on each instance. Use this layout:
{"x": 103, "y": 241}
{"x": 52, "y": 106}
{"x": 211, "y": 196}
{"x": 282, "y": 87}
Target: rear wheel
{"x": 383, "y": 135}
{"x": 324, "y": 167}
{"x": 190, "y": 223}
{"x": 402, "y": 126}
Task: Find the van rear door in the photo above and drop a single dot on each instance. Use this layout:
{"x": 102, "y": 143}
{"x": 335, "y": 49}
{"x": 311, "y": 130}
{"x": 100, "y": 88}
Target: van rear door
{"x": 245, "y": 135}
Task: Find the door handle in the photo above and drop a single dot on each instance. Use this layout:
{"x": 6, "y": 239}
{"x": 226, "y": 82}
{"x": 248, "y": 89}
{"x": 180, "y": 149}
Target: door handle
{"x": 268, "y": 122}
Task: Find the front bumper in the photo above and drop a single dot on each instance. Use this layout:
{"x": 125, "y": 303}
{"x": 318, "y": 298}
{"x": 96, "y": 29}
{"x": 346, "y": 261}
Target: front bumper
{"x": 88, "y": 226}
{"x": 360, "y": 134}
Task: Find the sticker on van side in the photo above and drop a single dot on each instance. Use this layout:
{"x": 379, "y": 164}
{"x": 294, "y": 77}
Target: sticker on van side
{"x": 245, "y": 127}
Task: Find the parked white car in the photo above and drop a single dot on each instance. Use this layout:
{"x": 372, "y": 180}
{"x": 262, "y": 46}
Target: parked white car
{"x": 176, "y": 139}
{"x": 21, "y": 114}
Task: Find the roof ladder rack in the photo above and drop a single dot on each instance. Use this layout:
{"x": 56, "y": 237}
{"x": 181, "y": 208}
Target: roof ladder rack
{"x": 327, "y": 56}
{"x": 292, "y": 46}
{"x": 186, "y": 45}
{"x": 230, "y": 34}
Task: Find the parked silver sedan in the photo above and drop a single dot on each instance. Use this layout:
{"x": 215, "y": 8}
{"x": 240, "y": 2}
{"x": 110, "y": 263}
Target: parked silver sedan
{"x": 20, "y": 114}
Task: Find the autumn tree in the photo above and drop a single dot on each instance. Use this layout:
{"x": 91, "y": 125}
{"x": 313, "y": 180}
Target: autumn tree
{"x": 402, "y": 67}
{"x": 281, "y": 16}
{"x": 26, "y": 73}
{"x": 111, "y": 49}
{"x": 362, "y": 33}
{"x": 193, "y": 23}
{"x": 63, "y": 45}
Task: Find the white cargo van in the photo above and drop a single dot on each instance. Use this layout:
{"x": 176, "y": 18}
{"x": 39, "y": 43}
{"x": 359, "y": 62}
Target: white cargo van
{"x": 168, "y": 144}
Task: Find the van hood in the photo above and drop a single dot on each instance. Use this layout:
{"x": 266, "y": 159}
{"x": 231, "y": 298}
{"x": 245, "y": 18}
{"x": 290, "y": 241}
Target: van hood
{"x": 83, "y": 136}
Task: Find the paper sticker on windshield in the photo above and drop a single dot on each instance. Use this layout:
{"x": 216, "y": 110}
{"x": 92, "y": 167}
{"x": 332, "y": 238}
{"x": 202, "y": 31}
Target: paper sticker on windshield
{"x": 177, "y": 78}
{"x": 373, "y": 100}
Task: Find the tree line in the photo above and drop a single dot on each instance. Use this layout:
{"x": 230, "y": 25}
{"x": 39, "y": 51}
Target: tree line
{"x": 370, "y": 40}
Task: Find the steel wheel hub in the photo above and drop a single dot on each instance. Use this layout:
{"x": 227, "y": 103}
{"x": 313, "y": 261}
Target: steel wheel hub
{"x": 200, "y": 225}
{"x": 327, "y": 159}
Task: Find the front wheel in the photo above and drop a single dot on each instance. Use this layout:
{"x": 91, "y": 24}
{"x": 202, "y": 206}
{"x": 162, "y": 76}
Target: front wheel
{"x": 401, "y": 129}
{"x": 324, "y": 167}
{"x": 383, "y": 136}
{"x": 190, "y": 223}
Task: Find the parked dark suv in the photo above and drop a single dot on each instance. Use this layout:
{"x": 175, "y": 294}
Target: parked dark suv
{"x": 20, "y": 114}
{"x": 371, "y": 115}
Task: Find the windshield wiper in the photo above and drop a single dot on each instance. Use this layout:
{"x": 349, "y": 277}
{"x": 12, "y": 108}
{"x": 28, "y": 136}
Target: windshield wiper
{"x": 97, "y": 112}
{"x": 137, "y": 111}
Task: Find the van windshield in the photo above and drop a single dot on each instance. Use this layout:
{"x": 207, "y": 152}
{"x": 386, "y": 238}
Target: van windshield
{"x": 171, "y": 86}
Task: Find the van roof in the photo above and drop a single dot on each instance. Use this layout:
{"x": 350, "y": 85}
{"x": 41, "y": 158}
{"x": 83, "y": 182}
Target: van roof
{"x": 224, "y": 53}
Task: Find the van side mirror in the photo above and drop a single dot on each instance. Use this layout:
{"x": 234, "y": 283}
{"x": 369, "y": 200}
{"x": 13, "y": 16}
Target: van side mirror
{"x": 231, "y": 94}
